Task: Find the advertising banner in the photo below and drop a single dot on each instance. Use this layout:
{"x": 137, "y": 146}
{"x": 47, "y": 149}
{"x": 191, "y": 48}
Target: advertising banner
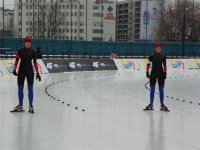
{"x": 56, "y": 65}
{"x": 79, "y": 64}
{"x": 103, "y": 64}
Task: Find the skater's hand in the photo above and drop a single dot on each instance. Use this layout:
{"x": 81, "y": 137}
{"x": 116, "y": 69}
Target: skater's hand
{"x": 14, "y": 73}
{"x": 147, "y": 74}
{"x": 165, "y": 75}
{"x": 38, "y": 77}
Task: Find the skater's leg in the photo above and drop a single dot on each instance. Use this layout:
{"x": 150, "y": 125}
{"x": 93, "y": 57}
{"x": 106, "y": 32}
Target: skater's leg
{"x": 20, "y": 82}
{"x": 152, "y": 93}
{"x": 161, "y": 83}
{"x": 30, "y": 95}
{"x": 20, "y": 95}
{"x": 152, "y": 88}
{"x": 161, "y": 91}
{"x": 30, "y": 80}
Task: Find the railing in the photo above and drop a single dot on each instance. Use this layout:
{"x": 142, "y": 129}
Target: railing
{"x": 90, "y": 49}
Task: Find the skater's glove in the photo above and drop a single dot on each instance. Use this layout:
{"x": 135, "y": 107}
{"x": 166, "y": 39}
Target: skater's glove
{"x": 14, "y": 73}
{"x": 165, "y": 75}
{"x": 38, "y": 77}
{"x": 147, "y": 74}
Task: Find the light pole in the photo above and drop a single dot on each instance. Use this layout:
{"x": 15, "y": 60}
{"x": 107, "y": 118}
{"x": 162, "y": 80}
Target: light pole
{"x": 3, "y": 23}
{"x": 183, "y": 32}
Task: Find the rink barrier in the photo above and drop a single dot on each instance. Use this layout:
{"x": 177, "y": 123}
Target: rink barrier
{"x": 172, "y": 64}
{"x": 6, "y": 67}
{"x": 71, "y": 65}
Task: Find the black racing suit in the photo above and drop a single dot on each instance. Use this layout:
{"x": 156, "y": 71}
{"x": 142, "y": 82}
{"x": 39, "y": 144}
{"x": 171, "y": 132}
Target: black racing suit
{"x": 26, "y": 68}
{"x": 158, "y": 69}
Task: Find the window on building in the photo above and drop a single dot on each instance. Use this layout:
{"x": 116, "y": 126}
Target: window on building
{"x": 30, "y": 13}
{"x": 67, "y": 6}
{"x": 97, "y": 31}
{"x": 81, "y": 23}
{"x": 26, "y": 1}
{"x": 75, "y": 7}
{"x": 26, "y": 14}
{"x": 81, "y": 13}
{"x": 26, "y": 6}
{"x": 30, "y": 6}
{"x": 26, "y": 29}
{"x": 75, "y": 30}
{"x": 81, "y": 6}
{"x": 81, "y": 30}
{"x": 20, "y": 7}
{"x": 20, "y": 29}
{"x": 26, "y": 22}
{"x": 67, "y": 30}
{"x": 63, "y": 6}
{"x": 30, "y": 1}
{"x": 97, "y": 38}
{"x": 95, "y": 7}
{"x": 74, "y": 38}
{"x": 97, "y": 15}
{"x": 67, "y": 23}
{"x": 75, "y": 14}
{"x": 20, "y": 14}
{"x": 75, "y": 23}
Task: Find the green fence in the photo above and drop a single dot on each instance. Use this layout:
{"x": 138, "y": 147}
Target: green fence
{"x": 91, "y": 48}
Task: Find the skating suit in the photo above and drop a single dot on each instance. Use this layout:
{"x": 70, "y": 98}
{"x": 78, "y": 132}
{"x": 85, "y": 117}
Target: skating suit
{"x": 26, "y": 68}
{"x": 158, "y": 69}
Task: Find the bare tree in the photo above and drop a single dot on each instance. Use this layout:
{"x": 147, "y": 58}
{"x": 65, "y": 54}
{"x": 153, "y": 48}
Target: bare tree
{"x": 172, "y": 21}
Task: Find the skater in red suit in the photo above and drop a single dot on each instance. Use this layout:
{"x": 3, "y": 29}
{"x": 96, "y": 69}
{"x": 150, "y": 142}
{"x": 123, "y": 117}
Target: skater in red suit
{"x": 158, "y": 73}
{"x": 25, "y": 55}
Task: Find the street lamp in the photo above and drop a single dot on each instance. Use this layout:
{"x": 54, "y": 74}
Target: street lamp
{"x": 183, "y": 33}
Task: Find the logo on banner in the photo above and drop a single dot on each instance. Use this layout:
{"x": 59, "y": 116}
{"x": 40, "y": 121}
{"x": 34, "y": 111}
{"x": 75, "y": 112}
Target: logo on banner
{"x": 129, "y": 65}
{"x": 198, "y": 64}
{"x": 178, "y": 65}
{"x": 72, "y": 65}
{"x": 51, "y": 66}
{"x": 95, "y": 64}
{"x": 9, "y": 67}
{"x": 109, "y": 15}
{"x": 98, "y": 64}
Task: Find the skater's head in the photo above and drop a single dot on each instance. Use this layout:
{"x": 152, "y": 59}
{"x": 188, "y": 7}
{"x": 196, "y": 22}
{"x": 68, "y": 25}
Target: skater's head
{"x": 158, "y": 48}
{"x": 27, "y": 42}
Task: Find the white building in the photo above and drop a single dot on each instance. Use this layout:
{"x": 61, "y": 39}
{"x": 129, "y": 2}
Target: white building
{"x": 8, "y": 19}
{"x": 128, "y": 20}
{"x": 150, "y": 19}
{"x": 137, "y": 19}
{"x": 66, "y": 19}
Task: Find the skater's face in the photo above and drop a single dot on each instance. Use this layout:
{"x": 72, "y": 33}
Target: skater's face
{"x": 27, "y": 44}
{"x": 158, "y": 50}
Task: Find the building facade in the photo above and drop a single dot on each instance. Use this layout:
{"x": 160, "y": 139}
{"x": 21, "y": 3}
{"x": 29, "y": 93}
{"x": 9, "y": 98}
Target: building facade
{"x": 92, "y": 20}
{"x": 8, "y": 19}
{"x": 137, "y": 19}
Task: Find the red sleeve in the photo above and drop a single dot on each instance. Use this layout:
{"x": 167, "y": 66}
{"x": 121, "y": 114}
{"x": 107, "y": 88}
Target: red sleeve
{"x": 16, "y": 61}
{"x": 36, "y": 68}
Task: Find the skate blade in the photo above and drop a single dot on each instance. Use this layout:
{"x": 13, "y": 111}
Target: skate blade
{"x": 31, "y": 112}
{"x": 164, "y": 110}
{"x": 147, "y": 109}
{"x": 17, "y": 111}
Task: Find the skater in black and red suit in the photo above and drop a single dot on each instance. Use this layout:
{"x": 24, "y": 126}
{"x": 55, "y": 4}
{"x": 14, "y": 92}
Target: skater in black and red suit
{"x": 25, "y": 55}
{"x": 158, "y": 73}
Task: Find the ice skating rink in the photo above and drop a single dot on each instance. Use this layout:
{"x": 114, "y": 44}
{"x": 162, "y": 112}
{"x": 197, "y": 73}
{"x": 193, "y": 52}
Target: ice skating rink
{"x": 113, "y": 118}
